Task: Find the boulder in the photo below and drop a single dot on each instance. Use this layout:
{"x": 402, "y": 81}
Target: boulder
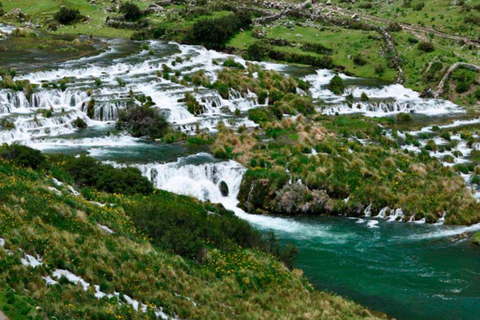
{"x": 224, "y": 189}
{"x": 155, "y": 8}
{"x": 428, "y": 93}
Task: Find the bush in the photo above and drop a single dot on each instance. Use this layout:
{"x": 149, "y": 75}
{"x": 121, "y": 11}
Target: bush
{"x": 131, "y": 11}
{"x": 258, "y": 51}
{"x": 404, "y": 117}
{"x": 231, "y": 63}
{"x": 317, "y": 48}
{"x": 88, "y": 172}
{"x": 426, "y": 46}
{"x": 142, "y": 121}
{"x": 23, "y": 33}
{"x": 193, "y": 106}
{"x": 68, "y": 16}
{"x": 23, "y": 156}
{"x": 359, "y": 60}
{"x": 7, "y": 124}
{"x": 79, "y": 123}
{"x": 473, "y": 19}
{"x": 184, "y": 226}
{"x": 412, "y": 40}
{"x": 462, "y": 87}
{"x": 419, "y": 6}
{"x": 336, "y": 85}
{"x": 364, "y": 97}
{"x": 215, "y": 33}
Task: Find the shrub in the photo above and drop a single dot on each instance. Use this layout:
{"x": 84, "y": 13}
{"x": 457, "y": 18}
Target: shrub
{"x": 215, "y": 33}
{"x": 68, "y": 16}
{"x": 412, "y": 40}
{"x": 394, "y": 27}
{"x": 364, "y": 97}
{"x": 131, "y": 11}
{"x": 88, "y": 172}
{"x": 317, "y": 48}
{"x": 404, "y": 117}
{"x": 193, "y": 106}
{"x": 473, "y": 19}
{"x": 258, "y": 51}
{"x": 419, "y": 6}
{"x": 462, "y": 87}
{"x": 79, "y": 123}
{"x": 426, "y": 46}
{"x": 184, "y": 226}
{"x": 7, "y": 124}
{"x": 23, "y": 33}
{"x": 336, "y": 85}
{"x": 23, "y": 156}
{"x": 231, "y": 63}
{"x": 142, "y": 121}
{"x": 359, "y": 60}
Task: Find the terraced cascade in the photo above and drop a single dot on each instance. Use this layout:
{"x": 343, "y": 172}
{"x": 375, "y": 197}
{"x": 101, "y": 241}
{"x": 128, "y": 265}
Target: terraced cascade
{"x": 408, "y": 269}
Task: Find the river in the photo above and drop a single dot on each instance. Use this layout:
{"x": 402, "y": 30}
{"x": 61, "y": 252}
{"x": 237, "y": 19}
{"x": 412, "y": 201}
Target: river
{"x": 408, "y": 270}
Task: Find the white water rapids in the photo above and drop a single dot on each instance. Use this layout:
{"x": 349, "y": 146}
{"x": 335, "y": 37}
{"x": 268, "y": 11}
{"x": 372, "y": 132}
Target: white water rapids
{"x": 110, "y": 83}
{"x": 202, "y": 181}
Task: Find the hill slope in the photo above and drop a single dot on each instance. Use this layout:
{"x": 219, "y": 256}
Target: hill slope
{"x": 80, "y": 256}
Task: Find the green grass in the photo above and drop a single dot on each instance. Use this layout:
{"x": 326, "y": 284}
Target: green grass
{"x": 44, "y": 9}
{"x": 63, "y": 229}
{"x": 364, "y": 43}
{"x": 441, "y": 15}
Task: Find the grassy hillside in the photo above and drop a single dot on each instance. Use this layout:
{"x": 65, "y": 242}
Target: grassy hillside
{"x": 90, "y": 255}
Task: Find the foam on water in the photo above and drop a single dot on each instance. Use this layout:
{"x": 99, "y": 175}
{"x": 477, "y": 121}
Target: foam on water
{"x": 202, "y": 181}
{"x": 139, "y": 75}
{"x": 389, "y": 99}
{"x": 5, "y": 30}
{"x": 444, "y": 232}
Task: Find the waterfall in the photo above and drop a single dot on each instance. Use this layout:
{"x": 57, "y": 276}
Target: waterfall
{"x": 200, "y": 176}
{"x": 201, "y": 181}
{"x": 384, "y": 100}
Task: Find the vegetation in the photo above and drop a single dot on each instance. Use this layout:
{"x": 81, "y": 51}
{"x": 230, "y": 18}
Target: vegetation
{"x": 367, "y": 175}
{"x": 348, "y": 45}
{"x": 130, "y": 11}
{"x": 143, "y": 121}
{"x": 426, "y": 46}
{"x": 108, "y": 241}
{"x": 215, "y": 33}
{"x": 68, "y": 16}
{"x": 336, "y": 85}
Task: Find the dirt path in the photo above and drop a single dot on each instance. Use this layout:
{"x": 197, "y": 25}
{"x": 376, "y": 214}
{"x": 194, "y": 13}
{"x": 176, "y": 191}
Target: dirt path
{"x": 2, "y": 316}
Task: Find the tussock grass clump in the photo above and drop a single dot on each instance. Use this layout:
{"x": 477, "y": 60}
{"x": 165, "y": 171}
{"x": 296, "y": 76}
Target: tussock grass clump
{"x": 341, "y": 167}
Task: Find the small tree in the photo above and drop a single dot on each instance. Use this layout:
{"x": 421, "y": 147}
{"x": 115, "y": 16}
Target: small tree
{"x": 141, "y": 121}
{"x": 336, "y": 85}
{"x": 68, "y": 16}
{"x": 131, "y": 11}
{"x": 258, "y": 51}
